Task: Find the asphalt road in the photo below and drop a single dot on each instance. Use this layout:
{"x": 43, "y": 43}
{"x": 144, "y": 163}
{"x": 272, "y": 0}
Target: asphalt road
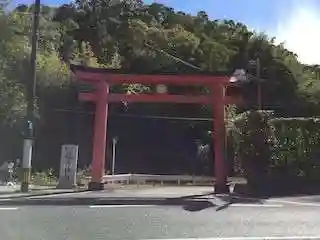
{"x": 158, "y": 222}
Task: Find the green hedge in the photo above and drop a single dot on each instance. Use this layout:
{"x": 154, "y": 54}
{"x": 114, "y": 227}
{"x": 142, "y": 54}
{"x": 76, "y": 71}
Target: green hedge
{"x": 252, "y": 142}
{"x": 266, "y": 147}
{"x": 296, "y": 147}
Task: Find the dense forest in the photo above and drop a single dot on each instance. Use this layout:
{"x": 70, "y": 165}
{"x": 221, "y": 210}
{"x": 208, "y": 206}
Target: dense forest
{"x": 137, "y": 37}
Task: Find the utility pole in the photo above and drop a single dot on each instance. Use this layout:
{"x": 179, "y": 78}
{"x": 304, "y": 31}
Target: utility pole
{"x": 258, "y": 75}
{"x": 114, "y": 143}
{"x": 31, "y": 93}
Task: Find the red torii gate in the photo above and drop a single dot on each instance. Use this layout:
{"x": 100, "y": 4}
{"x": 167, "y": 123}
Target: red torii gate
{"x": 102, "y": 79}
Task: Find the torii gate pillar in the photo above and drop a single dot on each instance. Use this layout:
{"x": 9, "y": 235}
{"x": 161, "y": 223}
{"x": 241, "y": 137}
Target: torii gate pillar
{"x": 219, "y": 139}
{"x": 99, "y": 137}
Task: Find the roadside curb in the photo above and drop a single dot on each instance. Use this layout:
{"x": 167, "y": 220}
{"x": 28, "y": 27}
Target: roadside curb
{"x": 35, "y": 194}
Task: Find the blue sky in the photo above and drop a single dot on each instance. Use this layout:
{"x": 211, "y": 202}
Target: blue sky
{"x": 296, "y": 22}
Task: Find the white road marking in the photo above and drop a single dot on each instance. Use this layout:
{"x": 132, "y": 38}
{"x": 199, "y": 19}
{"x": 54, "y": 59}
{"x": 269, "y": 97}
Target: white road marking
{"x": 8, "y": 208}
{"x": 256, "y": 205}
{"x": 247, "y": 198}
{"x": 249, "y": 238}
{"x": 295, "y": 203}
{"x": 120, "y": 206}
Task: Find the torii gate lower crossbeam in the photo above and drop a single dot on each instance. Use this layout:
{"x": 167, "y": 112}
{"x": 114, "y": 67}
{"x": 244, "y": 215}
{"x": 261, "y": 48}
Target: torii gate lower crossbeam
{"x": 102, "y": 79}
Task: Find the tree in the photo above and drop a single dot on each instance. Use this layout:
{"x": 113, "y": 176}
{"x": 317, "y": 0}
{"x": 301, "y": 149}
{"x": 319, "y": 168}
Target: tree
{"x": 144, "y": 38}
{"x": 11, "y": 92}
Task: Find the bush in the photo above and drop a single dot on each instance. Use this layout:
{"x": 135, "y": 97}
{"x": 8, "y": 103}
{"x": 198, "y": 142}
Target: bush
{"x": 268, "y": 148}
{"x": 252, "y": 140}
{"x": 44, "y": 178}
{"x": 296, "y": 148}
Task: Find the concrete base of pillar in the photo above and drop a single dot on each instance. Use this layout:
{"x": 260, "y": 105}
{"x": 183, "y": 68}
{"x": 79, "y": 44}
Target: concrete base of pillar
{"x": 64, "y": 185}
{"x": 24, "y": 187}
{"x": 221, "y": 188}
{"x": 96, "y": 186}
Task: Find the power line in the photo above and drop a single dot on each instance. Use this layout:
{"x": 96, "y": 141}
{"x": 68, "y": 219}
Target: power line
{"x": 162, "y": 117}
{"x": 139, "y": 116}
{"x": 173, "y": 57}
{"x": 161, "y": 50}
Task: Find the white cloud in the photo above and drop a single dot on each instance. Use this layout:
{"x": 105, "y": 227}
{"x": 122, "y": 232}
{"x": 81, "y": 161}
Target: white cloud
{"x": 299, "y": 28}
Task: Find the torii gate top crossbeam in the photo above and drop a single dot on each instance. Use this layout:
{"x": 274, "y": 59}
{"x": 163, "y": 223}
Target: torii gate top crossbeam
{"x": 116, "y": 76}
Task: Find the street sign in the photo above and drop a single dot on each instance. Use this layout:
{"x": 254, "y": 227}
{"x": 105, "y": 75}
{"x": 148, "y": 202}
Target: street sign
{"x": 68, "y": 166}
{"x": 239, "y": 75}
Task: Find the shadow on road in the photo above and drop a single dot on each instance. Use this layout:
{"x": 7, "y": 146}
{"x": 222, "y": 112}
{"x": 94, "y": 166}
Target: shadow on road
{"x": 196, "y": 206}
{"x": 279, "y": 187}
{"x": 207, "y": 200}
{"x": 192, "y": 203}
